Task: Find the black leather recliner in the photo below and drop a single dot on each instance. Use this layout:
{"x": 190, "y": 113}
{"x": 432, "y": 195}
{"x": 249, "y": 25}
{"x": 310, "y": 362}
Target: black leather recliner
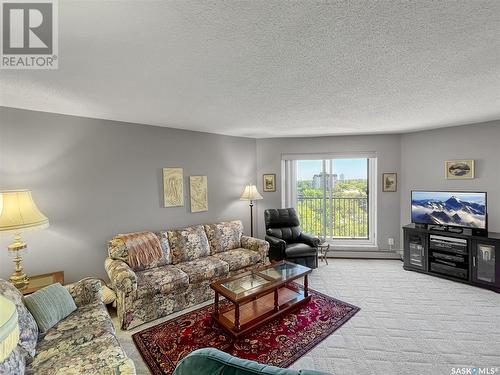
{"x": 286, "y": 239}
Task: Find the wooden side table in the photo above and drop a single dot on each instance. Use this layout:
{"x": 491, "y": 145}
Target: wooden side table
{"x": 41, "y": 281}
{"x": 323, "y": 250}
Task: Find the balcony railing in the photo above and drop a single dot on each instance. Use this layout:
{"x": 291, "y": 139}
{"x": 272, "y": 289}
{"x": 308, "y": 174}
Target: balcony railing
{"x": 343, "y": 218}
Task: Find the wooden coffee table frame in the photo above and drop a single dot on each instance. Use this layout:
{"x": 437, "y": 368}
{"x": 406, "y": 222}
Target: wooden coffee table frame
{"x": 259, "y": 305}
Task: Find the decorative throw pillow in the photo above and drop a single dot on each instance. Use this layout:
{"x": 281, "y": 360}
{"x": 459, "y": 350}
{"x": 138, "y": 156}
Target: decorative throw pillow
{"x": 28, "y": 330}
{"x": 50, "y": 305}
{"x": 224, "y": 236}
{"x": 188, "y": 244}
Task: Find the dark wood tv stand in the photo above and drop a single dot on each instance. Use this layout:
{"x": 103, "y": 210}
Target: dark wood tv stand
{"x": 463, "y": 257}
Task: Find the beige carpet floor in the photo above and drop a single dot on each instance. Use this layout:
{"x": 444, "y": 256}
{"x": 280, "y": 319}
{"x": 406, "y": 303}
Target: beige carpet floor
{"x": 409, "y": 323}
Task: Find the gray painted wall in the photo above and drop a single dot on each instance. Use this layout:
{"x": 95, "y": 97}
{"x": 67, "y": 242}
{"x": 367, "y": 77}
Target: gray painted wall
{"x": 422, "y": 164}
{"x": 95, "y": 178}
{"x": 388, "y": 154}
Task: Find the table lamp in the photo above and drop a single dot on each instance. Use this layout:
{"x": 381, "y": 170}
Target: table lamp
{"x": 250, "y": 193}
{"x": 9, "y": 328}
{"x": 19, "y": 213}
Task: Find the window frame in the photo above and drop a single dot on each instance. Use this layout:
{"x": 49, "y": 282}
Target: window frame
{"x": 289, "y": 194}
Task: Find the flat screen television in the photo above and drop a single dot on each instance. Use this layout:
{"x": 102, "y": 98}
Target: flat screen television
{"x": 449, "y": 208}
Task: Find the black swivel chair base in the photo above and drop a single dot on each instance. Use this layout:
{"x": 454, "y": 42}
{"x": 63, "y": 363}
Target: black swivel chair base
{"x": 311, "y": 262}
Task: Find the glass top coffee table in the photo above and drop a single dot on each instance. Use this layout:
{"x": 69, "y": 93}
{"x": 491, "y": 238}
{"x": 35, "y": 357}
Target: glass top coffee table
{"x": 259, "y": 296}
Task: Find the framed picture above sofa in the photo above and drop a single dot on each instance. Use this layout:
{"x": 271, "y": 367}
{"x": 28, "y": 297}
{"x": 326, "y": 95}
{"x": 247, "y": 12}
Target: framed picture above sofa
{"x": 173, "y": 187}
{"x": 199, "y": 193}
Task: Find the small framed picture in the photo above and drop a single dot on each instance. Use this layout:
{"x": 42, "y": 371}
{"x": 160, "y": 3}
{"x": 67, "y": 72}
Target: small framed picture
{"x": 269, "y": 182}
{"x": 459, "y": 169}
{"x": 390, "y": 182}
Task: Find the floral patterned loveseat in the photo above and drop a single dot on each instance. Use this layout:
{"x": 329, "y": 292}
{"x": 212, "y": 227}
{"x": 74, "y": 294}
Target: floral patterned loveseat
{"x": 82, "y": 343}
{"x": 191, "y": 258}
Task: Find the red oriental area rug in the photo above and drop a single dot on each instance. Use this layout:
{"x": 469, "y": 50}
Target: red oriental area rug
{"x": 279, "y": 342}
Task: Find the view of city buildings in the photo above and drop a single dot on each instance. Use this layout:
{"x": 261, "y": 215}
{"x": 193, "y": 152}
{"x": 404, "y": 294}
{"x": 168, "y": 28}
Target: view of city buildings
{"x": 332, "y": 205}
{"x": 324, "y": 179}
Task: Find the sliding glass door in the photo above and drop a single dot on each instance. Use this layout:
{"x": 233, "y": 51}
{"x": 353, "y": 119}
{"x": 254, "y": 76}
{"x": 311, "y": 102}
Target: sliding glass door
{"x": 332, "y": 197}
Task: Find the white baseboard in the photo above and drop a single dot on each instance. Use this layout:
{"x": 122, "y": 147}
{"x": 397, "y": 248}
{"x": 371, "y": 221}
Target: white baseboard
{"x": 363, "y": 254}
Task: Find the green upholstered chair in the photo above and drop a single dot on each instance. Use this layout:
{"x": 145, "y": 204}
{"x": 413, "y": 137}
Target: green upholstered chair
{"x": 214, "y": 362}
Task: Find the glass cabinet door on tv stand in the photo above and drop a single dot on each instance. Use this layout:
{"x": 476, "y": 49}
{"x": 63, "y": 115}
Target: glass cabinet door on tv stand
{"x": 484, "y": 261}
{"x": 415, "y": 253}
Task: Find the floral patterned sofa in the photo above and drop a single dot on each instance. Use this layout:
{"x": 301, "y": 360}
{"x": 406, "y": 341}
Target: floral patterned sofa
{"x": 82, "y": 343}
{"x": 191, "y": 259}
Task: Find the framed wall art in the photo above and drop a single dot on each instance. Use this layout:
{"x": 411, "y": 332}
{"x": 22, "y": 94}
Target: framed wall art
{"x": 269, "y": 182}
{"x": 389, "y": 182}
{"x": 198, "y": 188}
{"x": 459, "y": 169}
{"x": 173, "y": 187}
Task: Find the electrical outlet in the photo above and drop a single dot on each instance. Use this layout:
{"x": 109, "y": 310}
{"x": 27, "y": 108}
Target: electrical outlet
{"x": 390, "y": 241}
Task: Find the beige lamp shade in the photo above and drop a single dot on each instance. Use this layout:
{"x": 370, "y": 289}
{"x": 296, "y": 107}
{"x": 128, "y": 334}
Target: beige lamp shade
{"x": 18, "y": 212}
{"x": 9, "y": 327}
{"x": 250, "y": 193}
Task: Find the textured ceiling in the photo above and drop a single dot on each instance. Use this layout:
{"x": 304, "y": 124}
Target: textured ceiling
{"x": 272, "y": 68}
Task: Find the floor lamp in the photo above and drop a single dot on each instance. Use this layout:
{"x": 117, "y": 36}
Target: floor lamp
{"x": 251, "y": 194}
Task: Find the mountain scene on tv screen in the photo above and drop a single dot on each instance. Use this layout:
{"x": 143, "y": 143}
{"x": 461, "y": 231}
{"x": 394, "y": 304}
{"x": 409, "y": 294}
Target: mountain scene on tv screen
{"x": 460, "y": 210}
